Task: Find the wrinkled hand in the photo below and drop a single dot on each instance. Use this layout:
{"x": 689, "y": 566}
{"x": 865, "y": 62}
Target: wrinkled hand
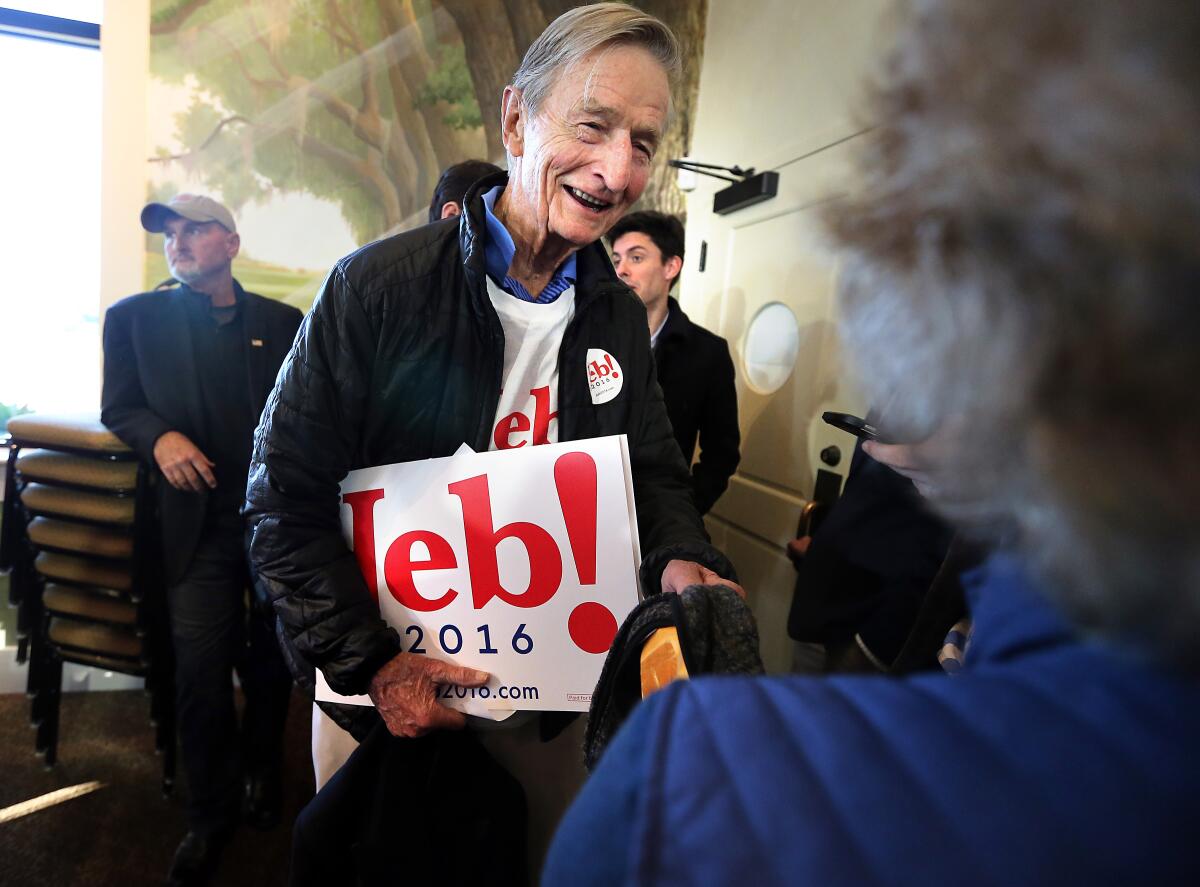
{"x": 678, "y": 575}
{"x": 182, "y": 463}
{"x": 405, "y": 694}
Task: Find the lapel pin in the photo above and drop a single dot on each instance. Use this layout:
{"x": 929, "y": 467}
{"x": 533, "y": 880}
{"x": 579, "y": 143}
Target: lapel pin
{"x": 257, "y": 343}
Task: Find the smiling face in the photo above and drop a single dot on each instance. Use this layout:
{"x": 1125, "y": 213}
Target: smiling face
{"x": 198, "y": 253}
{"x": 583, "y": 159}
{"x": 641, "y": 266}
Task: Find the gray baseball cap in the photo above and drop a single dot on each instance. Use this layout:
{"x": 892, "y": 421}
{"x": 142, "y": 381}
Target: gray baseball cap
{"x": 194, "y": 207}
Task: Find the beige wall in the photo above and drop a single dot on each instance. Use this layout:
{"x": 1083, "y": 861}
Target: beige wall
{"x": 125, "y": 50}
{"x": 778, "y": 91}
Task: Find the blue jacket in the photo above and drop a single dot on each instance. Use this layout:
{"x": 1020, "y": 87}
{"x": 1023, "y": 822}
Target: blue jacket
{"x": 1048, "y": 760}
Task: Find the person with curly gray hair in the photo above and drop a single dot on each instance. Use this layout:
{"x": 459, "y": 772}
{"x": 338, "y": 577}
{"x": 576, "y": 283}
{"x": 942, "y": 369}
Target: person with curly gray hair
{"x": 1020, "y": 286}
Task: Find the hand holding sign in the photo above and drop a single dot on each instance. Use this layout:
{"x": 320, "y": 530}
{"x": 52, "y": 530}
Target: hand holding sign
{"x": 405, "y": 693}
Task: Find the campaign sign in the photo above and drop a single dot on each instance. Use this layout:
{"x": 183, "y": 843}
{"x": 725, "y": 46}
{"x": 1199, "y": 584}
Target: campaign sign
{"x": 520, "y": 562}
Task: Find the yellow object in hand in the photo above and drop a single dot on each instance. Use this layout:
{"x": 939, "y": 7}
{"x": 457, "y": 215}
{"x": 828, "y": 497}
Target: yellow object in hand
{"x": 662, "y": 661}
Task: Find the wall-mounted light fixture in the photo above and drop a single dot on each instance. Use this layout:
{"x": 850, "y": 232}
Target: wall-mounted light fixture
{"x": 748, "y": 187}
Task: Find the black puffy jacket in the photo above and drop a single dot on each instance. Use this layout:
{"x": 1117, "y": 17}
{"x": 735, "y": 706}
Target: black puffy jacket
{"x": 401, "y": 359}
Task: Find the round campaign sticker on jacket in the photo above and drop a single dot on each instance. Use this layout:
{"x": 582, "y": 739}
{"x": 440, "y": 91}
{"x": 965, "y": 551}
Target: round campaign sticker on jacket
{"x": 604, "y": 375}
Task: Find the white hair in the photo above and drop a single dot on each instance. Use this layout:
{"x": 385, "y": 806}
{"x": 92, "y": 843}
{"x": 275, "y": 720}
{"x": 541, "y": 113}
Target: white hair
{"x": 581, "y": 31}
{"x": 1024, "y": 261}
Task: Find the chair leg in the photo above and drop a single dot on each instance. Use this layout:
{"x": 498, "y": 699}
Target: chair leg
{"x": 161, "y": 736}
{"x": 156, "y": 708}
{"x": 165, "y": 730}
{"x": 39, "y": 706}
{"x": 23, "y": 593}
{"x": 31, "y": 625}
{"x": 24, "y": 631}
{"x": 168, "y": 756}
{"x": 160, "y": 710}
{"x": 36, "y": 680}
{"x": 47, "y": 734}
{"x": 9, "y": 537}
{"x": 18, "y": 579}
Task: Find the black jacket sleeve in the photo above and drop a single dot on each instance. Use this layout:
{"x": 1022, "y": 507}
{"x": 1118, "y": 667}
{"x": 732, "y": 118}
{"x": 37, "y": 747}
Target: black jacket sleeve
{"x": 123, "y": 407}
{"x": 668, "y": 523}
{"x": 719, "y": 435}
{"x": 305, "y": 444}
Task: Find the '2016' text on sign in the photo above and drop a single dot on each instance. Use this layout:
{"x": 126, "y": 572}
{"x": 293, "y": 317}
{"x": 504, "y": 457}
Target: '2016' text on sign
{"x": 519, "y": 562}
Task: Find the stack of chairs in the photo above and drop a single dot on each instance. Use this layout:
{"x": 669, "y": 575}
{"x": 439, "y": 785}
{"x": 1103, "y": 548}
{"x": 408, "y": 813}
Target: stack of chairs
{"x": 80, "y": 542}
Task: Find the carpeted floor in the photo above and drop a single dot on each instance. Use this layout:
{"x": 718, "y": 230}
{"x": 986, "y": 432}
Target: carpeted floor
{"x": 126, "y": 832}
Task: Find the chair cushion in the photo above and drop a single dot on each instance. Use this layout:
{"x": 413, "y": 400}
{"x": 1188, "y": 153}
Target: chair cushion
{"x": 82, "y": 604}
{"x": 105, "y": 663}
{"x": 93, "y": 637}
{"x": 78, "y": 430}
{"x": 66, "y": 468}
{"x": 46, "y": 532}
{"x": 73, "y": 503}
{"x": 80, "y": 569}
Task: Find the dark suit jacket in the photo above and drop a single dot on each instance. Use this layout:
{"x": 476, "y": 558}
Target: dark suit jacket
{"x": 870, "y": 562}
{"x": 150, "y": 388}
{"x": 695, "y": 373}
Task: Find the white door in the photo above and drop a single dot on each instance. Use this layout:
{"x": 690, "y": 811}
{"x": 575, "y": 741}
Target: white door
{"x": 779, "y": 90}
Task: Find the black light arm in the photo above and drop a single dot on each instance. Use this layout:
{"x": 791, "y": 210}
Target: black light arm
{"x": 704, "y": 169}
{"x": 747, "y": 188}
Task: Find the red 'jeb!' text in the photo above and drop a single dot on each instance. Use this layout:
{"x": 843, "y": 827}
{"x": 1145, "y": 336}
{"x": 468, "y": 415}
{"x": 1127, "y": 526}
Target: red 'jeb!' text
{"x": 598, "y": 372}
{"x": 575, "y": 482}
{"x": 518, "y": 423}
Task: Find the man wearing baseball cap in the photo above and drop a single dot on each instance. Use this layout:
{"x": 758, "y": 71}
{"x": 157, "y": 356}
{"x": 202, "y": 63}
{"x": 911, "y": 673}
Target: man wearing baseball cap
{"x": 186, "y": 374}
{"x": 193, "y": 207}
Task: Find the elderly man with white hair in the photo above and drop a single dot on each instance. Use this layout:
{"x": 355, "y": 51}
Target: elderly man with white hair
{"x": 477, "y": 331}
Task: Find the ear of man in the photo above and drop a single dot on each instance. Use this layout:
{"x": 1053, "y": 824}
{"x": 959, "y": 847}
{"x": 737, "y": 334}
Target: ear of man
{"x": 512, "y": 121}
{"x": 672, "y": 267}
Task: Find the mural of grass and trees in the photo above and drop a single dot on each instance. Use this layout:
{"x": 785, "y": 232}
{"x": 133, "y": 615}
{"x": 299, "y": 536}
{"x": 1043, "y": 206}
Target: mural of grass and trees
{"x": 359, "y": 103}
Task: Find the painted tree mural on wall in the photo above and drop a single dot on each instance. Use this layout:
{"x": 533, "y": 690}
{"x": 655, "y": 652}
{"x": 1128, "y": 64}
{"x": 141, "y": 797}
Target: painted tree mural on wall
{"x": 363, "y": 103}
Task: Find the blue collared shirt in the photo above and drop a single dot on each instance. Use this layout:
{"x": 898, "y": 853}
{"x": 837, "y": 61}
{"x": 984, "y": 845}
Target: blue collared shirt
{"x": 498, "y": 255}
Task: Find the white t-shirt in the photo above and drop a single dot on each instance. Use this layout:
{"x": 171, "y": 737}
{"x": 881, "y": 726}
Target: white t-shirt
{"x": 528, "y": 410}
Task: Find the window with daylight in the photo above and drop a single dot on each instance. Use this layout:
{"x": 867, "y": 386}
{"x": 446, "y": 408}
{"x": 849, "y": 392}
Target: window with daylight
{"x": 50, "y": 229}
